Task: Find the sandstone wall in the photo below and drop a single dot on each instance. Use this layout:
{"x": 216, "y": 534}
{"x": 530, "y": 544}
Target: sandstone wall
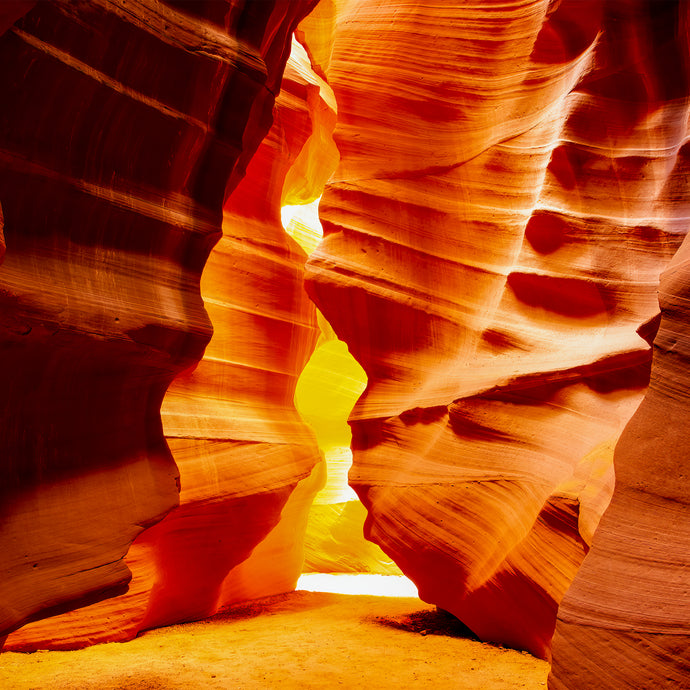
{"x": 124, "y": 127}
{"x": 625, "y": 622}
{"x": 512, "y": 182}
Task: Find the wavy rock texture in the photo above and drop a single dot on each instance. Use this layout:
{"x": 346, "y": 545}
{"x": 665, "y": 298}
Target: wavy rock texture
{"x": 637, "y": 635}
{"x": 331, "y": 381}
{"x": 231, "y": 423}
{"x": 327, "y": 390}
{"x": 512, "y": 182}
{"x": 124, "y": 128}
{"x": 244, "y": 455}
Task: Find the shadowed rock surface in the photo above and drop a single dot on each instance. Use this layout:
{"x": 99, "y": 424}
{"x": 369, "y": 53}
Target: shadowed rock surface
{"x": 625, "y": 622}
{"x": 124, "y": 128}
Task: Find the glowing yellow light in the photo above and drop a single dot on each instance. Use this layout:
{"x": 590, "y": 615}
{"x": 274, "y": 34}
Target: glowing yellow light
{"x": 326, "y": 392}
{"x": 358, "y": 583}
{"x": 302, "y": 223}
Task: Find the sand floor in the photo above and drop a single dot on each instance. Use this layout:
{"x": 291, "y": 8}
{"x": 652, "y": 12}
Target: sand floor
{"x": 297, "y": 640}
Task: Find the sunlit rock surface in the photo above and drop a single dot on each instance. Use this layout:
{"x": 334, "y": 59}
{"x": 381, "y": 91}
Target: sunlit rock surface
{"x": 512, "y": 182}
{"x": 625, "y": 622}
{"x": 331, "y": 381}
{"x": 232, "y": 421}
{"x": 124, "y": 127}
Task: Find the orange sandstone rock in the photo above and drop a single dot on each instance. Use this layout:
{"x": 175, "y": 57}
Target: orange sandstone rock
{"x": 512, "y": 182}
{"x": 625, "y": 621}
{"x": 231, "y": 423}
{"x": 511, "y": 185}
{"x": 124, "y": 128}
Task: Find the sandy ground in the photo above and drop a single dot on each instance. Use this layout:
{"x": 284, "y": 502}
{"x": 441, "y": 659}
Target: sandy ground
{"x": 297, "y": 640}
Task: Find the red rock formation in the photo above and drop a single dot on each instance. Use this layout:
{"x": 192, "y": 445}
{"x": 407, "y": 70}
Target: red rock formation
{"x": 513, "y": 180}
{"x": 328, "y": 388}
{"x": 236, "y": 438}
{"x": 11, "y": 11}
{"x": 510, "y": 188}
{"x": 123, "y": 128}
{"x": 625, "y": 622}
{"x": 231, "y": 423}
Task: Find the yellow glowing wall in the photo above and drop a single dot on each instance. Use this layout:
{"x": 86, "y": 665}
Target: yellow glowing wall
{"x": 326, "y": 393}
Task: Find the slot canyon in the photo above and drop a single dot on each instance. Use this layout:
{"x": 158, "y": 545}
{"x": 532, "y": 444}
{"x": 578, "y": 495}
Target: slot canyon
{"x": 398, "y": 288}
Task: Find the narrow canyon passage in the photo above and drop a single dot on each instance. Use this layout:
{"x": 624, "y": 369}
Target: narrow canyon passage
{"x": 327, "y": 389}
{"x": 344, "y": 287}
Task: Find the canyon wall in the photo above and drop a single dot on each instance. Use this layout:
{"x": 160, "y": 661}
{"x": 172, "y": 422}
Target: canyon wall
{"x": 124, "y": 129}
{"x": 625, "y": 622}
{"x": 512, "y": 182}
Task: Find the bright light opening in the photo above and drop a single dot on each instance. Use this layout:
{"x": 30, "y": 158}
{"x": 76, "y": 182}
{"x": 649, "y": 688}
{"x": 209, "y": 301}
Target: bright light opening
{"x": 326, "y": 392}
{"x": 302, "y": 223}
{"x": 331, "y": 381}
{"x": 358, "y": 583}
